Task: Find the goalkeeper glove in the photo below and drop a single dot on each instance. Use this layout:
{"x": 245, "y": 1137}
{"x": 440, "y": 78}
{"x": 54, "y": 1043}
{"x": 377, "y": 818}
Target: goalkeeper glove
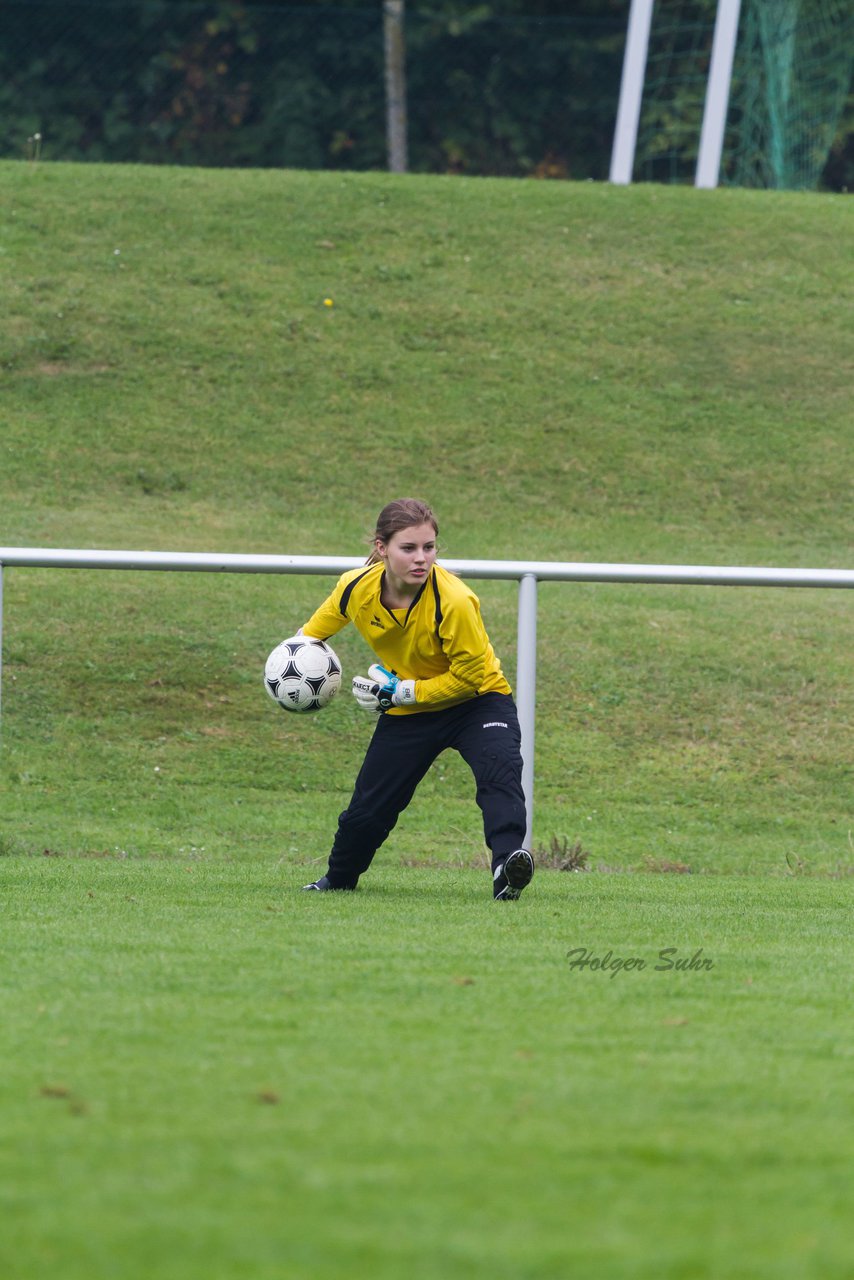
{"x": 382, "y": 689}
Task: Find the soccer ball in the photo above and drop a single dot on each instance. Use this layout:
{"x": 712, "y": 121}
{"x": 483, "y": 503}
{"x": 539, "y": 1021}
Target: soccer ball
{"x": 302, "y": 674}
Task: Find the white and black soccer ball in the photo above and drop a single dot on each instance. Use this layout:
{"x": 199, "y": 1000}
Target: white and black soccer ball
{"x": 302, "y": 674}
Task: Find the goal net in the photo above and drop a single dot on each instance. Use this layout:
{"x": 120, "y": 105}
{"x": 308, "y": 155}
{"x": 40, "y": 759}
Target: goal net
{"x": 791, "y": 80}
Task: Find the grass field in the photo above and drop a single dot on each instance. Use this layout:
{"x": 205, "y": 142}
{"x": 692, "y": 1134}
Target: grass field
{"x": 210, "y": 1075}
{"x": 212, "y": 1080}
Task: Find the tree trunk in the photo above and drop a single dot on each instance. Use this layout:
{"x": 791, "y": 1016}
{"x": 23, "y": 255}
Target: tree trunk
{"x": 395, "y": 84}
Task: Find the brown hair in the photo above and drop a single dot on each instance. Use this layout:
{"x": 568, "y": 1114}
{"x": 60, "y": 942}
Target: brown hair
{"x": 403, "y": 513}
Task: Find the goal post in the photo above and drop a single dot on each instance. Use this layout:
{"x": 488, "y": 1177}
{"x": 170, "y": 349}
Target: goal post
{"x": 717, "y": 92}
{"x": 631, "y": 91}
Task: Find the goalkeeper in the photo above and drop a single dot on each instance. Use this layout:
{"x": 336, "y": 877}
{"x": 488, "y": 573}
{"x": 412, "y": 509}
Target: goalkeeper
{"x": 436, "y": 684}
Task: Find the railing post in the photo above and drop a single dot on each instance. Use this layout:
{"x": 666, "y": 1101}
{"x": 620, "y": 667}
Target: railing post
{"x": 526, "y": 687}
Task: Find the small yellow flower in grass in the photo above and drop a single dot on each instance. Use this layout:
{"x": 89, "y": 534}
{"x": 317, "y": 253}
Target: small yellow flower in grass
{"x": 327, "y": 302}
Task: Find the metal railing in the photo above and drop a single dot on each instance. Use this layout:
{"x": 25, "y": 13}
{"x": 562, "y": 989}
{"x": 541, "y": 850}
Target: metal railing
{"x": 527, "y": 572}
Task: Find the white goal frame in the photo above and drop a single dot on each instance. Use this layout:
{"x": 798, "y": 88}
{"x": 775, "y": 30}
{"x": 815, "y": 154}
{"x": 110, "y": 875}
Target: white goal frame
{"x": 717, "y": 92}
{"x": 528, "y": 573}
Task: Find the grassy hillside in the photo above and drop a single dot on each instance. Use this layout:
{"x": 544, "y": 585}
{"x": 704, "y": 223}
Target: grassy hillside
{"x": 596, "y": 371}
{"x": 566, "y": 372}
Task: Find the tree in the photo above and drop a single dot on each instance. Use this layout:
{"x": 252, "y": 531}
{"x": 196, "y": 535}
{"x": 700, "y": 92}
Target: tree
{"x": 395, "y": 82}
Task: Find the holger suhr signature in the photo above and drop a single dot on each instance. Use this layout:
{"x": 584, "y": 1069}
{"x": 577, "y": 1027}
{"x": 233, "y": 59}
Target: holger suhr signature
{"x": 667, "y": 958}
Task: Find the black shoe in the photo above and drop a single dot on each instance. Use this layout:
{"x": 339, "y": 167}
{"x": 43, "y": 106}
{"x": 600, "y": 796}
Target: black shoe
{"x": 511, "y": 877}
{"x": 323, "y": 885}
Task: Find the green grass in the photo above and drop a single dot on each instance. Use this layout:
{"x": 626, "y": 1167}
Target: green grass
{"x": 211, "y": 1075}
{"x": 638, "y": 370}
{"x": 217, "y": 1078}
{"x": 567, "y": 372}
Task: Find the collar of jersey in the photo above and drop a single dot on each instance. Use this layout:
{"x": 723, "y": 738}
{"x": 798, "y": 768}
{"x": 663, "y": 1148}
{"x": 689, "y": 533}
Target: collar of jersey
{"x": 415, "y": 600}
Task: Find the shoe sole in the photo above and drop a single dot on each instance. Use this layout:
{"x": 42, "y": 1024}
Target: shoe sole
{"x": 518, "y": 871}
{"x": 329, "y": 888}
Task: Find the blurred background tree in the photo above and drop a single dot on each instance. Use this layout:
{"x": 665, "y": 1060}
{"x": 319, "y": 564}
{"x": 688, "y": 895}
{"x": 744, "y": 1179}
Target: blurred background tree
{"x": 510, "y": 87}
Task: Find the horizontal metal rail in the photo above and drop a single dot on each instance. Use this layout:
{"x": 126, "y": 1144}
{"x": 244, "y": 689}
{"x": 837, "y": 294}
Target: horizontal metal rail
{"x": 542, "y": 570}
{"x": 527, "y": 572}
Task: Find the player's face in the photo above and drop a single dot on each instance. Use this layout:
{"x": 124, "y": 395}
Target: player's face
{"x": 409, "y": 556}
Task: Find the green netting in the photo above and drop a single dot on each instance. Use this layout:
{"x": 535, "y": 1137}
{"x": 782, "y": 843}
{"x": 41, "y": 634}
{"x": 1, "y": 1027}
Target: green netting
{"x": 791, "y": 83}
{"x": 791, "y": 79}
{"x": 677, "y": 68}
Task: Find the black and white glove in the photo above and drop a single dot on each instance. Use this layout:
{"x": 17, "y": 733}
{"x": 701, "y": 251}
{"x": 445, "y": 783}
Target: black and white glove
{"x": 382, "y": 689}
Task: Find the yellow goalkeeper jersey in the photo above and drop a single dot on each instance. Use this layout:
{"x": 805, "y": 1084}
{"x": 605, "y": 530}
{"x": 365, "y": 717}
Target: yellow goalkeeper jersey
{"x": 440, "y": 641}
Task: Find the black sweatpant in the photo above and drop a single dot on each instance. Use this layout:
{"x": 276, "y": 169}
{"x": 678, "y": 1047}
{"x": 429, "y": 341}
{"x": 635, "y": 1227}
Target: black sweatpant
{"x": 485, "y": 731}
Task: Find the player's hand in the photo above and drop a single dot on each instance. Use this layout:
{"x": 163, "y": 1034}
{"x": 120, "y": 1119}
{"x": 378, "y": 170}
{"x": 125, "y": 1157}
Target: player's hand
{"x": 394, "y": 692}
{"x": 382, "y": 689}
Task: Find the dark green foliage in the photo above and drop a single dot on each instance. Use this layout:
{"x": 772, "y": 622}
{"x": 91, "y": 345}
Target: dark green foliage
{"x": 492, "y": 88}
{"x": 510, "y": 89}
